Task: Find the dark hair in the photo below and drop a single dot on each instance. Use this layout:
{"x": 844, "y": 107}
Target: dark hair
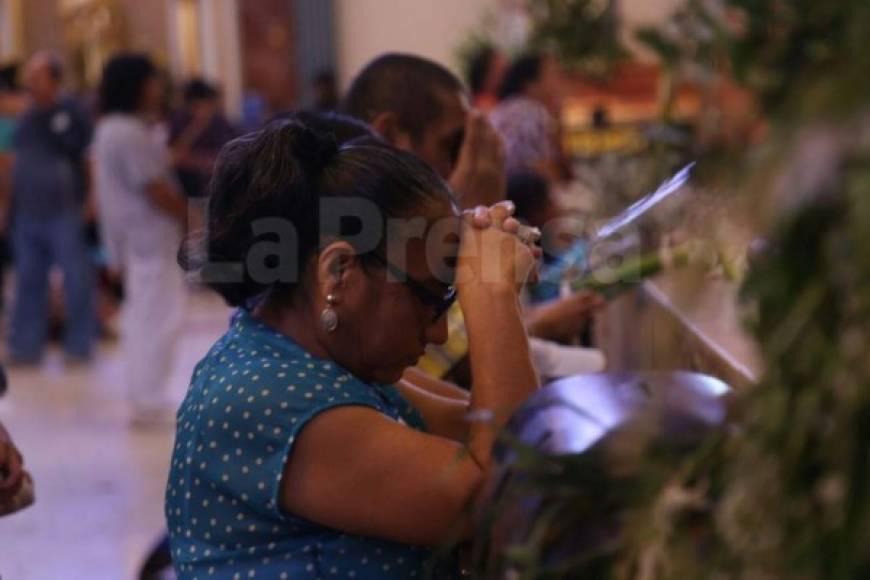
{"x": 124, "y": 78}
{"x": 478, "y": 68}
{"x": 325, "y": 77}
{"x": 529, "y": 191}
{"x": 199, "y": 90}
{"x": 286, "y": 171}
{"x": 340, "y": 128}
{"x": 408, "y": 86}
{"x": 522, "y": 72}
{"x": 9, "y": 77}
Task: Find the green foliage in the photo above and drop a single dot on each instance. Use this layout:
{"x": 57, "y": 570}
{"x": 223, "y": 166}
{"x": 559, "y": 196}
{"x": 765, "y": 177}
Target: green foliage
{"x": 579, "y": 502}
{"x": 481, "y": 38}
{"x": 583, "y": 33}
{"x": 803, "y": 458}
{"x": 786, "y": 494}
{"x": 804, "y": 56}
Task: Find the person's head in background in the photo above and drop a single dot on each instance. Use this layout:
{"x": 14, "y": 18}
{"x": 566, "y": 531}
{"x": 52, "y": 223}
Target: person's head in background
{"x": 131, "y": 85}
{"x": 43, "y": 77}
{"x": 415, "y": 104}
{"x": 484, "y": 74}
{"x": 325, "y": 91}
{"x": 340, "y": 128}
{"x": 535, "y": 76}
{"x": 12, "y": 99}
{"x": 536, "y": 206}
{"x": 201, "y": 99}
{"x": 9, "y": 78}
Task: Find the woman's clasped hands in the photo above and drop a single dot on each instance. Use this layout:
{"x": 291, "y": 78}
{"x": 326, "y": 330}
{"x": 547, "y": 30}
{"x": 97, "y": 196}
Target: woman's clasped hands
{"x": 496, "y": 251}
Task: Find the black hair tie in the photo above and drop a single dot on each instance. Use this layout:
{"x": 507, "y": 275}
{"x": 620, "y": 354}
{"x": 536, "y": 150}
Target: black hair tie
{"x": 315, "y": 151}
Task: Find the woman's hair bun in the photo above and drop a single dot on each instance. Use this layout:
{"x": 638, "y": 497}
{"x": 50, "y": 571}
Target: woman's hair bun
{"x": 314, "y": 151}
{"x": 263, "y": 219}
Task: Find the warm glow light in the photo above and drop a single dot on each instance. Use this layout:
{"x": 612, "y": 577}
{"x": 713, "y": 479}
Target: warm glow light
{"x": 187, "y": 15}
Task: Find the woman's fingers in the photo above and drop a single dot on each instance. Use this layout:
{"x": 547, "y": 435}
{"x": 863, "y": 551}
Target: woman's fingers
{"x": 511, "y": 225}
{"x": 480, "y": 217}
{"x": 493, "y": 255}
{"x": 501, "y": 211}
{"x": 592, "y": 300}
{"x": 500, "y": 215}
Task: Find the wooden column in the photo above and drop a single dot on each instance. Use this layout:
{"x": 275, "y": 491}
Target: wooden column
{"x": 268, "y": 52}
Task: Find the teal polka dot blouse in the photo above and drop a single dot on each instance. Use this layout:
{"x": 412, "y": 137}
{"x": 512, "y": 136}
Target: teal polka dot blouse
{"x": 248, "y": 400}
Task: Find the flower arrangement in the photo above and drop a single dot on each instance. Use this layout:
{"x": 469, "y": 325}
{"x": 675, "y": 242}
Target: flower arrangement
{"x": 785, "y": 492}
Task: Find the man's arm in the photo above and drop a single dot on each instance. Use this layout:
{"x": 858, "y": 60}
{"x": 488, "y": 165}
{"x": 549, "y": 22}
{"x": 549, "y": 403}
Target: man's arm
{"x": 444, "y": 411}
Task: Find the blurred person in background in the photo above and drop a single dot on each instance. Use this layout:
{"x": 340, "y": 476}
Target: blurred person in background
{"x": 13, "y": 102}
{"x": 196, "y": 135}
{"x": 419, "y": 106}
{"x": 48, "y": 199}
{"x": 527, "y": 116}
{"x": 325, "y": 92}
{"x": 484, "y": 75}
{"x": 549, "y": 313}
{"x": 142, "y": 213}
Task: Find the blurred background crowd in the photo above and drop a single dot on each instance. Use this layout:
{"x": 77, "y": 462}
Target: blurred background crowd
{"x": 594, "y": 102}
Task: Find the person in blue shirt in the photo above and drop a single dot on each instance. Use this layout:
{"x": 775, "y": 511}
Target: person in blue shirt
{"x": 48, "y": 192}
{"x": 300, "y": 450}
{"x": 550, "y": 314}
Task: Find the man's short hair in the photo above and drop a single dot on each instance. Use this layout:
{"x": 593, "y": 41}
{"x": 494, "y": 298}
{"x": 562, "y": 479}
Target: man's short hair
{"x": 478, "y": 67}
{"x": 198, "y": 89}
{"x": 411, "y": 87}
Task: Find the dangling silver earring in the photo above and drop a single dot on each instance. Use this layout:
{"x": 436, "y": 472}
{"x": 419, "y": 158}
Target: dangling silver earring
{"x": 329, "y": 318}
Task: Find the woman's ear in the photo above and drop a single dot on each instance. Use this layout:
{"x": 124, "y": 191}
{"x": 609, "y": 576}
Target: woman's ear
{"x": 333, "y": 266}
{"x": 387, "y": 126}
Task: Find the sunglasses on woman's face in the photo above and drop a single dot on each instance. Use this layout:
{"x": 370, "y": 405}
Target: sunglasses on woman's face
{"x": 439, "y": 303}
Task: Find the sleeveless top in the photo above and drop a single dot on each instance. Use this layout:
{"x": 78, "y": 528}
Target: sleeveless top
{"x": 248, "y": 400}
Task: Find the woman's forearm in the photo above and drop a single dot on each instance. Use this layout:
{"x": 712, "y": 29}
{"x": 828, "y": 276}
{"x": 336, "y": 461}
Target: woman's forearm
{"x": 501, "y": 365}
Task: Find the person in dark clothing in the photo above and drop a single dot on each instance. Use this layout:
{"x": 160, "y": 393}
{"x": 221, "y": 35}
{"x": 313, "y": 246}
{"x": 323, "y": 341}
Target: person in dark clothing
{"x": 12, "y": 104}
{"x": 484, "y": 74}
{"x": 325, "y": 92}
{"x": 196, "y": 135}
{"x": 48, "y": 194}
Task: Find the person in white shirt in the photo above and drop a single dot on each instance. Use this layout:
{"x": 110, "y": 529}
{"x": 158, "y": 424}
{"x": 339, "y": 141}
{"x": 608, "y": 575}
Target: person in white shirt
{"x": 141, "y": 214}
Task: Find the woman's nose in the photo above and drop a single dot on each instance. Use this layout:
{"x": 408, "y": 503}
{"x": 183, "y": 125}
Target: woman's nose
{"x": 436, "y": 332}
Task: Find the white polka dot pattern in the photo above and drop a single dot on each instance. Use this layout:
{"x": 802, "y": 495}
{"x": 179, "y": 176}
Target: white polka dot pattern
{"x": 235, "y": 431}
